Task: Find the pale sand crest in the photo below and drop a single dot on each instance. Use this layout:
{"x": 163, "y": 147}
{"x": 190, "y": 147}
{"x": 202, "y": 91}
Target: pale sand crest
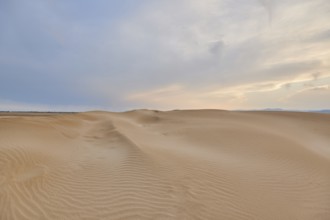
{"x": 143, "y": 164}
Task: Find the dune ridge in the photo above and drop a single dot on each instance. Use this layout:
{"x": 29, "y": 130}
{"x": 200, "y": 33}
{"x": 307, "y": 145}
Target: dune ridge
{"x": 144, "y": 164}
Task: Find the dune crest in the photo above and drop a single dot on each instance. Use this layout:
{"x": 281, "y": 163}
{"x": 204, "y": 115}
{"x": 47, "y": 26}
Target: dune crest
{"x": 198, "y": 164}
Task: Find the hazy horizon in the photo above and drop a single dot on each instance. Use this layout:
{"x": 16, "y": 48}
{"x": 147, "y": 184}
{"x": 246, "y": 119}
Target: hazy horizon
{"x": 187, "y": 54}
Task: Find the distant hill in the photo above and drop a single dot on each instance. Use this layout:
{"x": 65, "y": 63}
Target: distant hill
{"x": 325, "y": 111}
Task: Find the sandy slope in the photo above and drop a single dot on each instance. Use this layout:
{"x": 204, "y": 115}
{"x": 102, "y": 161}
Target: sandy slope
{"x": 165, "y": 165}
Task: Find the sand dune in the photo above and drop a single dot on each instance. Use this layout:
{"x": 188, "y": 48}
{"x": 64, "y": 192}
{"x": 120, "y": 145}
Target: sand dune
{"x": 204, "y": 164}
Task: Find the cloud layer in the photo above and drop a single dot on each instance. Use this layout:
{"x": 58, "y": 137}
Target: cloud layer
{"x": 118, "y": 55}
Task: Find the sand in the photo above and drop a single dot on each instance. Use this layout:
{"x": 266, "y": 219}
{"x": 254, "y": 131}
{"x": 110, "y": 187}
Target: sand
{"x": 198, "y": 164}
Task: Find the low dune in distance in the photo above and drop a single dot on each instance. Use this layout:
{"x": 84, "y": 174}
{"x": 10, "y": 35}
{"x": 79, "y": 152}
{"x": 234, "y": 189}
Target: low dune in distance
{"x": 143, "y": 164}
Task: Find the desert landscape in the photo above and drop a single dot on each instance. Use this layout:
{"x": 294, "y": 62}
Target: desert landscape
{"x": 184, "y": 164}
{"x": 164, "y": 110}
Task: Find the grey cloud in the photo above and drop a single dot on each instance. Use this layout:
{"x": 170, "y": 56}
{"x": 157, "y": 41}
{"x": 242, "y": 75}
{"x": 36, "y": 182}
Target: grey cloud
{"x": 216, "y": 48}
{"x": 292, "y": 68}
{"x": 268, "y": 5}
{"x": 323, "y": 36}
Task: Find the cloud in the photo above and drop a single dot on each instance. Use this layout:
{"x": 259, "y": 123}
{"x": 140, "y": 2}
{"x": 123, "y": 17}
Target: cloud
{"x": 216, "y": 48}
{"x": 268, "y": 5}
{"x": 7, "y": 105}
{"x": 185, "y": 53}
{"x": 316, "y": 96}
{"x": 316, "y": 75}
{"x": 249, "y": 95}
{"x": 320, "y": 37}
{"x": 172, "y": 96}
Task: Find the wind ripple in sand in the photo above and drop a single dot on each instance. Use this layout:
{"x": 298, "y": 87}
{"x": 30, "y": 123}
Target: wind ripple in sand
{"x": 165, "y": 165}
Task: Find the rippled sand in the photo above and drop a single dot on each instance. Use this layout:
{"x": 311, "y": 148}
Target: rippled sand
{"x": 203, "y": 164}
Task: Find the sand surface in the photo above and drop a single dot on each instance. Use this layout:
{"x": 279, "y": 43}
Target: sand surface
{"x": 143, "y": 164}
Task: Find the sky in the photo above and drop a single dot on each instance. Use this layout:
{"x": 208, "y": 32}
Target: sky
{"x": 117, "y": 55}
